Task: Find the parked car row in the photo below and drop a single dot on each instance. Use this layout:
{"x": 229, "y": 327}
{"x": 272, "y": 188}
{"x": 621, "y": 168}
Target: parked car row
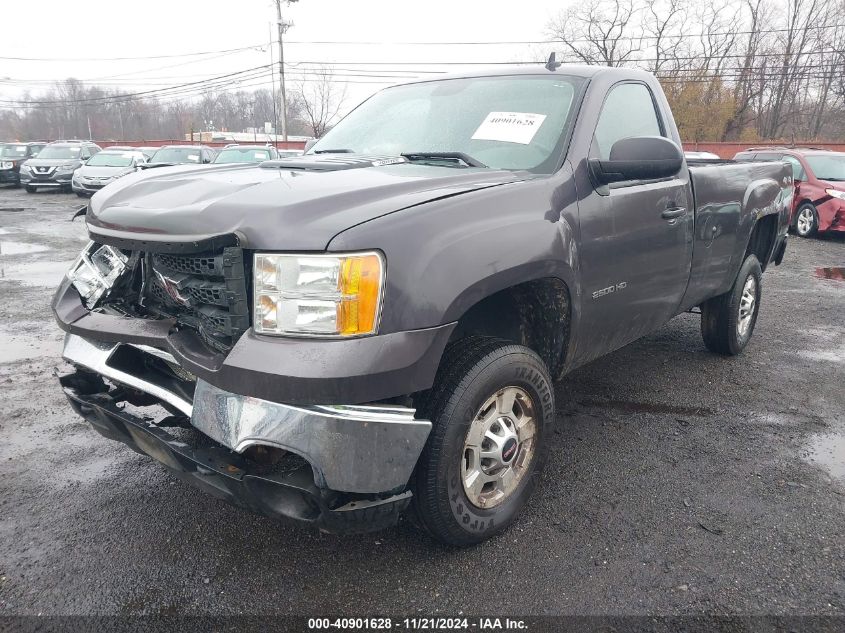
{"x": 818, "y": 204}
{"x": 84, "y": 167}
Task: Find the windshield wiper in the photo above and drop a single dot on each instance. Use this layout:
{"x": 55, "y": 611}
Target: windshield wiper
{"x": 334, "y": 151}
{"x": 468, "y": 160}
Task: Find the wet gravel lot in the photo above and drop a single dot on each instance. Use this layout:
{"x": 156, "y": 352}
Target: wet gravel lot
{"x": 678, "y": 482}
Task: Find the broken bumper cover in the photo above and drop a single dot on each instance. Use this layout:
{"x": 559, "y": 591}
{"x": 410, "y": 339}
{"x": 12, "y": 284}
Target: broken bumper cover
{"x": 351, "y": 465}
{"x": 361, "y": 449}
{"x": 289, "y": 494}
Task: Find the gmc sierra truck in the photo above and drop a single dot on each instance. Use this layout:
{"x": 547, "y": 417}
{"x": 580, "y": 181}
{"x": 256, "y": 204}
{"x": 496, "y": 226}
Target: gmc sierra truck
{"x": 373, "y": 329}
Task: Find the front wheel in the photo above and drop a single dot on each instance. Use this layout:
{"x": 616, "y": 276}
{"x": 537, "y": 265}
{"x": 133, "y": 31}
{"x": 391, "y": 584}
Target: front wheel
{"x": 30, "y": 189}
{"x": 806, "y": 220}
{"x": 490, "y": 407}
{"x": 727, "y": 321}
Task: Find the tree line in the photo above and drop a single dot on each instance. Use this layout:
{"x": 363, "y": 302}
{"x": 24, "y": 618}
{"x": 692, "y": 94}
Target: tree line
{"x": 732, "y": 69}
{"x": 72, "y": 109}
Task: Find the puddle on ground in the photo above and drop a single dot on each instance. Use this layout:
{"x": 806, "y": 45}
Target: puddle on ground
{"x": 35, "y": 273}
{"x": 14, "y": 208}
{"x": 19, "y": 248}
{"x": 835, "y": 273}
{"x": 646, "y": 407}
{"x": 828, "y": 451}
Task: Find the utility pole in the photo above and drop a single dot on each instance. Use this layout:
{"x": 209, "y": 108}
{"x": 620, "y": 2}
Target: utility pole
{"x": 283, "y": 27}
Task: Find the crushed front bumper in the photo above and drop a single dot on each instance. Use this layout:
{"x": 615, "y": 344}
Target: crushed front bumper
{"x": 288, "y": 494}
{"x": 352, "y": 463}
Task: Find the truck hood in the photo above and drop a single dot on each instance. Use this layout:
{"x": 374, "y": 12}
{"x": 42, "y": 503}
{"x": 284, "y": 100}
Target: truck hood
{"x": 297, "y": 203}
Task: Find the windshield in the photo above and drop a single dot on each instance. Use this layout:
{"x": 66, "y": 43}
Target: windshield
{"x": 176, "y": 155}
{"x": 242, "y": 155}
{"x": 514, "y": 122}
{"x": 110, "y": 160}
{"x": 827, "y": 167}
{"x": 60, "y": 151}
{"x": 12, "y": 151}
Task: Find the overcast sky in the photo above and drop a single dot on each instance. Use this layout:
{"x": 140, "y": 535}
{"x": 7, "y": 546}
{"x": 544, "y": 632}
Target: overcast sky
{"x": 80, "y": 37}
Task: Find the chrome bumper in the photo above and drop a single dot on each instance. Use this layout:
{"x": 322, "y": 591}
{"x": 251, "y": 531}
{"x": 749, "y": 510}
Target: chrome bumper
{"x": 362, "y": 449}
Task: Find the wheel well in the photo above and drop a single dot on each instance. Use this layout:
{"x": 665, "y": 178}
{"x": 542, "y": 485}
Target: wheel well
{"x": 762, "y": 240}
{"x": 534, "y": 313}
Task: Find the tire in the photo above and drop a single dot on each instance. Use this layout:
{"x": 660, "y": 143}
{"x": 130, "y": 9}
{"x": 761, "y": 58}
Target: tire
{"x": 806, "y": 220}
{"x": 79, "y": 194}
{"x": 474, "y": 373}
{"x": 30, "y": 189}
{"x": 727, "y": 321}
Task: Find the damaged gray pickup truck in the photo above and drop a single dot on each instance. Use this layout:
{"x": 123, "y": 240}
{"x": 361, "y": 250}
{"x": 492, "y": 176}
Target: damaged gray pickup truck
{"x": 373, "y": 329}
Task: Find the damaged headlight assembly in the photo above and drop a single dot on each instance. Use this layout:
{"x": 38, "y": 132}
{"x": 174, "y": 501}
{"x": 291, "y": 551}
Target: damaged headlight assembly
{"x": 332, "y": 296}
{"x": 95, "y": 271}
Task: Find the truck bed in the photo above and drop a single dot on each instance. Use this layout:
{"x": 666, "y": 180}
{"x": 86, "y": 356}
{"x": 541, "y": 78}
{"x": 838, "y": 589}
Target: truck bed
{"x": 729, "y": 196}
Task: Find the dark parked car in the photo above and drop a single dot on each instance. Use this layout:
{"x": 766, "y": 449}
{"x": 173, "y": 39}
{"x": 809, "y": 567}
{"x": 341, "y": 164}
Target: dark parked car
{"x": 12, "y": 156}
{"x": 819, "y": 175}
{"x": 169, "y": 155}
{"x": 246, "y": 154}
{"x": 103, "y": 168}
{"x": 54, "y": 166}
{"x": 375, "y": 327}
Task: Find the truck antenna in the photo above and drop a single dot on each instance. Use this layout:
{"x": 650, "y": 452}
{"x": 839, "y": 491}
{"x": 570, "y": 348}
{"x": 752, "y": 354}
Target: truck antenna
{"x": 552, "y": 64}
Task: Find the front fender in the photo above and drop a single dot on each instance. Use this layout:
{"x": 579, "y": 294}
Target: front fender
{"x": 445, "y": 256}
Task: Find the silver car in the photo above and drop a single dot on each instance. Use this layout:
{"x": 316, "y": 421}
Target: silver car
{"x": 103, "y": 168}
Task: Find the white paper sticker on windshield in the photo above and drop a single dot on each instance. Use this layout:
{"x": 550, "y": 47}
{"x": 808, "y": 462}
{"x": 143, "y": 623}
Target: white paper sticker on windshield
{"x": 261, "y": 155}
{"x": 193, "y": 157}
{"x": 510, "y": 127}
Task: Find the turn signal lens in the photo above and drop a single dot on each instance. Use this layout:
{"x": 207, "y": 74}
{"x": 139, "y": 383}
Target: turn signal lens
{"x": 360, "y": 287}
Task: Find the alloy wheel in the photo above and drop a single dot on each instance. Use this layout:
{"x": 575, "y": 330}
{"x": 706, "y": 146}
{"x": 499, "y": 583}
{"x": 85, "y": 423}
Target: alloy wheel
{"x": 499, "y": 447}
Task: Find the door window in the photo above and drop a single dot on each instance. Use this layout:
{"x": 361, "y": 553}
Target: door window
{"x": 797, "y": 169}
{"x": 628, "y": 111}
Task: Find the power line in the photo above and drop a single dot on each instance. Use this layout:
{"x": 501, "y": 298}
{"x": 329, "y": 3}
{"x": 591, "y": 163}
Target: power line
{"x": 557, "y": 41}
{"x": 118, "y": 59}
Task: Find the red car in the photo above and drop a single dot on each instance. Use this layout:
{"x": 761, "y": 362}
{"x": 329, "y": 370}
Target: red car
{"x": 819, "y": 174}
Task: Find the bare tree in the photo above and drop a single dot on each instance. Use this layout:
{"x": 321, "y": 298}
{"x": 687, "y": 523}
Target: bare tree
{"x": 606, "y": 32}
{"x": 320, "y": 100}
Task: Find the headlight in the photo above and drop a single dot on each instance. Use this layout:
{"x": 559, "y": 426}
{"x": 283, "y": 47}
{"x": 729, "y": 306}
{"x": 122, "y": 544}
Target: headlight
{"x": 66, "y": 168}
{"x": 318, "y": 295}
{"x": 24, "y": 167}
{"x": 835, "y": 193}
{"x": 95, "y": 271}
{"x": 7, "y": 165}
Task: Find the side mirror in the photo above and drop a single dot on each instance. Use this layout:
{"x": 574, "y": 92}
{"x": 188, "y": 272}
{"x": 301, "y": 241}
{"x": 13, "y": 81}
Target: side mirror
{"x": 638, "y": 158}
{"x": 310, "y": 143}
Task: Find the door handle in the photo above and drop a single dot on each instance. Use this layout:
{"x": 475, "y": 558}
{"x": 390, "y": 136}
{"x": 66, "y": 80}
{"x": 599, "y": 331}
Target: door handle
{"x": 673, "y": 213}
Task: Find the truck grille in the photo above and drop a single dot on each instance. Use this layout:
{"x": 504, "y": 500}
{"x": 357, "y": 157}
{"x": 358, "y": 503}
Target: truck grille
{"x": 206, "y": 292}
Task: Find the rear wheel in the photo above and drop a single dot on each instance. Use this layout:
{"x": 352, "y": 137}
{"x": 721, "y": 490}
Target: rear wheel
{"x": 490, "y": 408}
{"x": 806, "y": 220}
{"x": 727, "y": 321}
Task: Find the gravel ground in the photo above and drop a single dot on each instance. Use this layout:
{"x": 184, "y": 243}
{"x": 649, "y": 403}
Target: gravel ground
{"x": 678, "y": 482}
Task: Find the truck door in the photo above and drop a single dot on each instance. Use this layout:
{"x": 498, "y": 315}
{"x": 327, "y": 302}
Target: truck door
{"x": 637, "y": 235}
